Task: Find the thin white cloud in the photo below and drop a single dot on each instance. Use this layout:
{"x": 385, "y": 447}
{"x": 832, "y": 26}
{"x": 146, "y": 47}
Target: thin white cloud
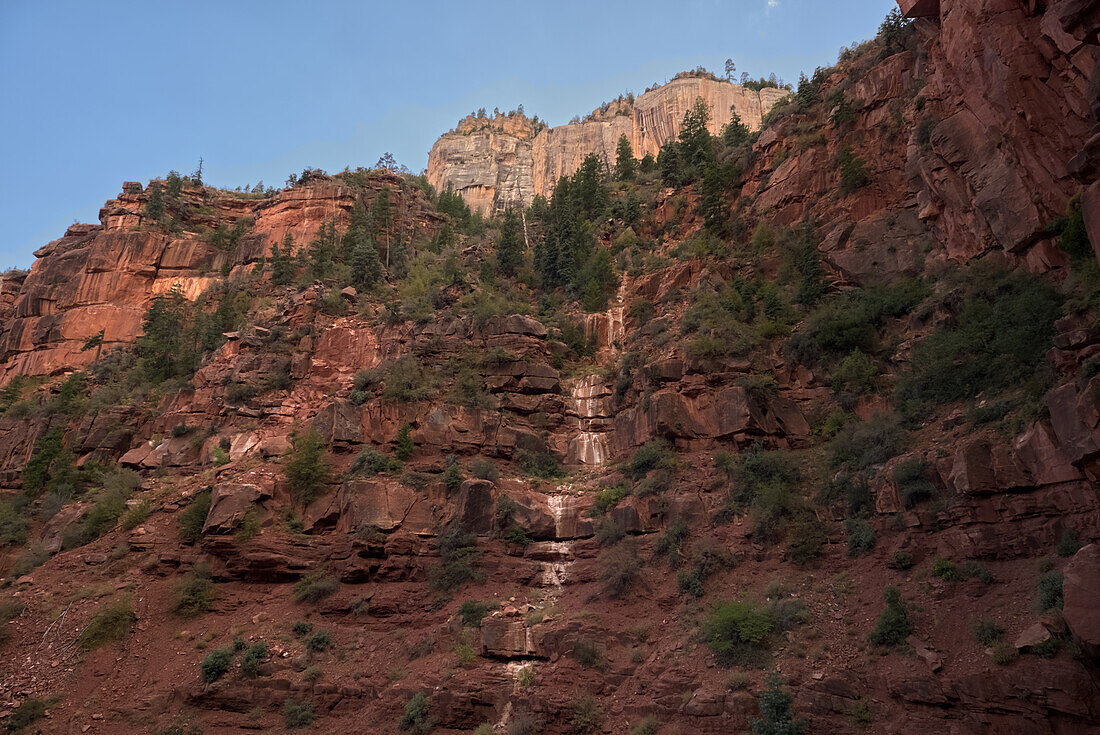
{"x": 771, "y": 4}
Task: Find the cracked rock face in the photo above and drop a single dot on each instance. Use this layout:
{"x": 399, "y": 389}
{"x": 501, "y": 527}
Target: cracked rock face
{"x": 508, "y": 160}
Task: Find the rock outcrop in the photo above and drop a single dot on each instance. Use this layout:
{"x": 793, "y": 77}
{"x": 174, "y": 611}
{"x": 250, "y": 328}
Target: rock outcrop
{"x": 508, "y": 159}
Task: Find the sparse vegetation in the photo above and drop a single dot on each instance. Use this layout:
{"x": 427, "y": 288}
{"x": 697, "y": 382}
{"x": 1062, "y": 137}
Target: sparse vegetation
{"x": 417, "y": 717}
{"x": 893, "y": 625}
{"x": 297, "y": 714}
{"x": 194, "y": 594}
{"x": 215, "y": 664}
{"x": 737, "y": 633}
{"x": 193, "y": 517}
{"x": 315, "y": 586}
{"x": 110, "y": 623}
{"x": 305, "y": 467}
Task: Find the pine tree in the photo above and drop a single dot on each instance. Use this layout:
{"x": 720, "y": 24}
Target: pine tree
{"x": 735, "y": 133}
{"x": 695, "y": 142}
{"x": 322, "y": 251}
{"x": 366, "y": 266}
{"x": 380, "y": 220}
{"x": 282, "y": 266}
{"x": 625, "y": 165}
{"x": 161, "y": 346}
{"x": 775, "y": 710}
{"x": 509, "y": 244}
{"x": 154, "y": 207}
{"x": 403, "y": 446}
{"x": 589, "y": 188}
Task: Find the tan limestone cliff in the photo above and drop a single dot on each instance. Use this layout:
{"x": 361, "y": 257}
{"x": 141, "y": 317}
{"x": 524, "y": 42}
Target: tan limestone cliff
{"x": 506, "y": 160}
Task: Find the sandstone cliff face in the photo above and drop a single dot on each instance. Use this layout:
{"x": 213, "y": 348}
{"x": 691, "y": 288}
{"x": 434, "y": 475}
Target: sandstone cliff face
{"x": 1004, "y": 496}
{"x": 502, "y": 162}
{"x": 100, "y": 278}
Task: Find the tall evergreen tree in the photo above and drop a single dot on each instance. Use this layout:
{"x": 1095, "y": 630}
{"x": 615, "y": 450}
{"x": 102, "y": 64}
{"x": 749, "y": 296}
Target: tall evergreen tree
{"x": 696, "y": 144}
{"x": 322, "y": 251}
{"x": 589, "y": 187}
{"x": 625, "y": 165}
{"x": 154, "y": 207}
{"x": 366, "y": 266}
{"x": 380, "y": 220}
{"x": 282, "y": 266}
{"x": 161, "y": 347}
{"x": 735, "y": 133}
{"x": 509, "y": 244}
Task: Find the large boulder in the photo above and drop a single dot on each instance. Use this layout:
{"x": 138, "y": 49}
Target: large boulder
{"x": 1081, "y": 590}
{"x": 230, "y": 503}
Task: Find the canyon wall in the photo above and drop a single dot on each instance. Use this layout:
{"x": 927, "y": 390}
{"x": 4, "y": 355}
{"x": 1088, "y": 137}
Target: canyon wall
{"x": 508, "y": 160}
{"x": 100, "y": 278}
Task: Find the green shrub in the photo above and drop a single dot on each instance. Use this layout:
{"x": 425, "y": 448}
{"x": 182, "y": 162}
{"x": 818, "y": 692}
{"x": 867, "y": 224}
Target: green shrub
{"x": 472, "y": 612}
{"x": 417, "y": 717}
{"x": 903, "y": 560}
{"x": 1050, "y": 591}
{"x": 805, "y": 540}
{"x": 538, "y": 464}
{"x": 255, "y": 656}
{"x": 851, "y": 321}
{"x": 672, "y": 540}
{"x": 29, "y": 711}
{"x": 690, "y": 582}
{"x": 136, "y": 515}
{"x": 110, "y": 623}
{"x": 370, "y": 462}
{"x": 193, "y": 517}
{"x": 587, "y": 716}
{"x": 893, "y": 625}
{"x": 656, "y": 483}
{"x": 408, "y": 381}
{"x": 517, "y": 535}
{"x": 861, "y": 445}
{"x": 654, "y": 454}
{"x": 976, "y": 570}
{"x": 483, "y": 469}
{"x": 301, "y": 628}
{"x": 403, "y": 446}
{"x": 297, "y": 714}
{"x": 458, "y": 554}
{"x": 737, "y": 633}
{"x": 608, "y": 498}
{"x": 646, "y": 726}
{"x": 911, "y": 480}
{"x": 855, "y": 374}
{"x": 48, "y": 449}
{"x": 319, "y": 641}
{"x": 97, "y": 520}
{"x": 215, "y": 664}
{"x": 452, "y": 476}
{"x": 1004, "y": 654}
{"x": 946, "y": 570}
{"x": 13, "y": 525}
{"x": 853, "y": 171}
{"x": 588, "y": 654}
{"x": 620, "y": 569}
{"x": 1068, "y": 545}
{"x": 861, "y": 537}
{"x": 775, "y": 712}
{"x": 305, "y": 467}
{"x": 999, "y": 339}
{"x": 609, "y": 532}
{"x": 194, "y": 594}
{"x": 987, "y": 632}
{"x": 315, "y": 586}
{"x": 759, "y": 470}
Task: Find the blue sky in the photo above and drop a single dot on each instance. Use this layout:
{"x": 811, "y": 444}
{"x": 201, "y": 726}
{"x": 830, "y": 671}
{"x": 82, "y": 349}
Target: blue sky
{"x": 99, "y": 93}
